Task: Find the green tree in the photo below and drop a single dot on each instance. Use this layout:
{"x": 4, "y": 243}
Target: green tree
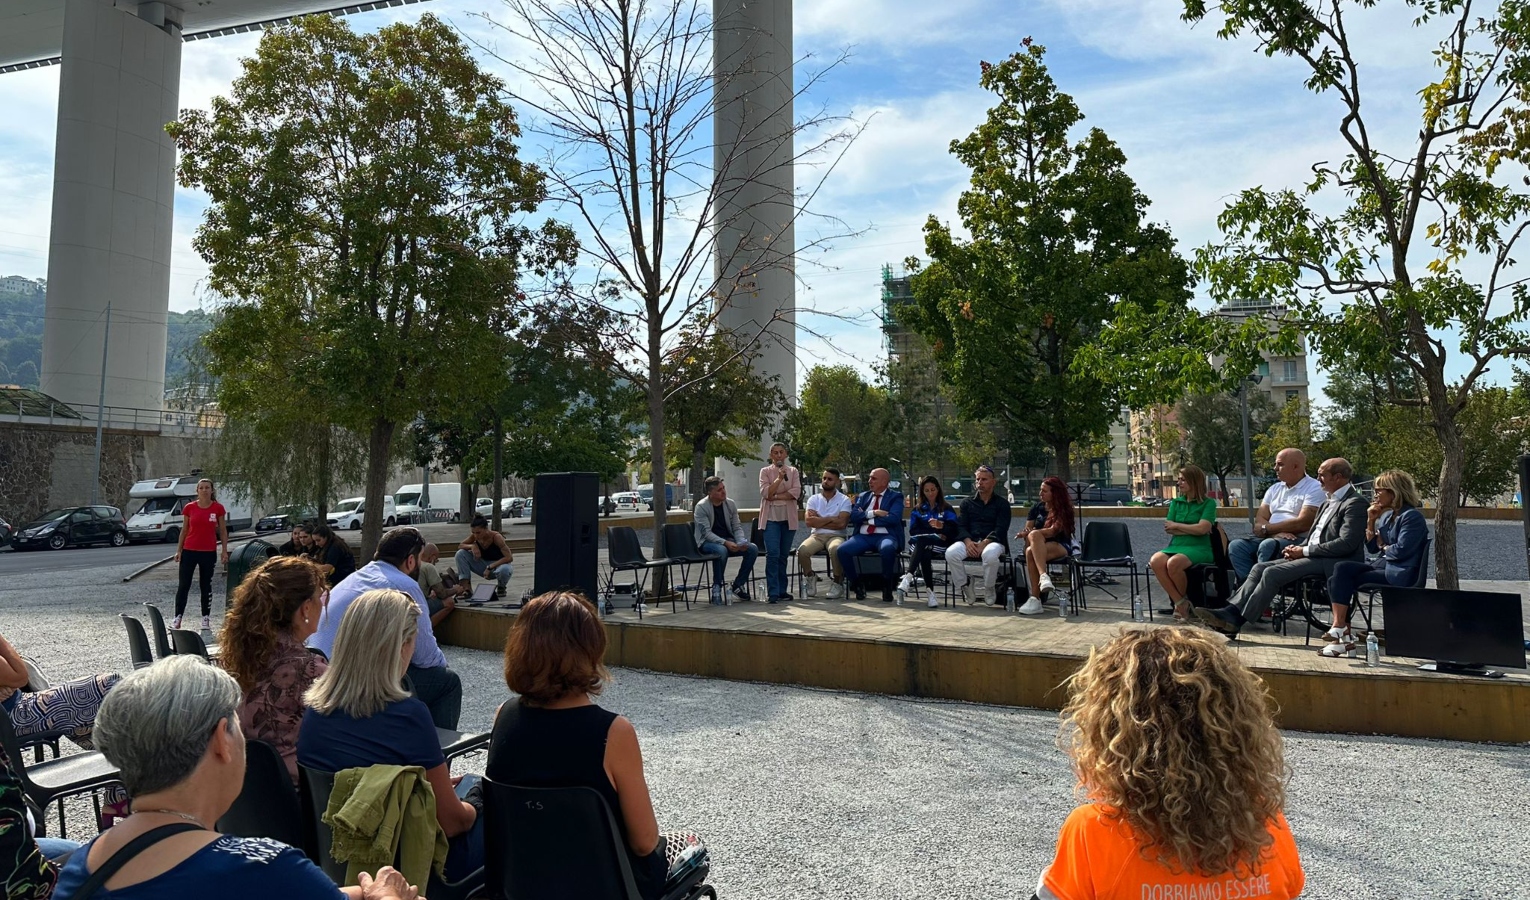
{"x": 1416, "y": 238}
{"x": 931, "y": 433}
{"x": 720, "y": 407}
{"x": 372, "y": 184}
{"x": 1492, "y": 437}
{"x": 1213, "y": 424}
{"x": 1358, "y": 398}
{"x": 842, "y": 421}
{"x": 1059, "y": 250}
{"x": 1292, "y": 427}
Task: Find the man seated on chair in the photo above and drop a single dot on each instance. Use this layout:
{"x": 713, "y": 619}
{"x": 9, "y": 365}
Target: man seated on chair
{"x": 985, "y": 522}
{"x": 1339, "y": 534}
{"x": 876, "y": 518}
{"x": 484, "y": 552}
{"x": 828, "y": 515}
{"x": 721, "y": 534}
{"x": 441, "y": 597}
{"x": 1285, "y": 517}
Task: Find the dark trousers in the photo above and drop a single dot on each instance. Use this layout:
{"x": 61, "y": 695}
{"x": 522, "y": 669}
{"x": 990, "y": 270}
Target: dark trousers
{"x": 203, "y": 562}
{"x": 1348, "y": 577}
{"x": 441, "y": 690}
{"x": 882, "y": 545}
{"x": 926, "y": 548}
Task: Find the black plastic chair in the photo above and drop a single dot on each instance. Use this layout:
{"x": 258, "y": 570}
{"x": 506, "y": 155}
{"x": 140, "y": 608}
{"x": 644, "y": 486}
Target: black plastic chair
{"x": 159, "y": 632}
{"x": 680, "y": 547}
{"x": 1211, "y": 584}
{"x": 1371, "y": 591}
{"x": 138, "y": 642}
{"x": 457, "y": 743}
{"x": 1107, "y": 546}
{"x": 562, "y": 842}
{"x": 56, "y": 779}
{"x": 625, "y": 554}
{"x": 268, "y": 804}
{"x": 185, "y": 641}
{"x": 314, "y": 788}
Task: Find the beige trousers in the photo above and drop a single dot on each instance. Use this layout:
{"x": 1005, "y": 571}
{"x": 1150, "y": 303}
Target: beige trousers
{"x": 818, "y": 543}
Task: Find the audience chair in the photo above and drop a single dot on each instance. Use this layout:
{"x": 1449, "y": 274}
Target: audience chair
{"x": 1107, "y": 546}
{"x": 157, "y": 629}
{"x": 56, "y": 779}
{"x": 268, "y": 804}
{"x": 680, "y": 547}
{"x": 314, "y": 788}
{"x": 625, "y": 554}
{"x": 562, "y": 842}
{"x": 457, "y": 743}
{"x": 138, "y": 642}
{"x": 1211, "y": 585}
{"x": 1372, "y": 591}
{"x": 187, "y": 641}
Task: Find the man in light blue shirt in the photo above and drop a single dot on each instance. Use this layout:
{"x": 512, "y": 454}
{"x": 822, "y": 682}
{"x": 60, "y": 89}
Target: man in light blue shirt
{"x": 394, "y": 567}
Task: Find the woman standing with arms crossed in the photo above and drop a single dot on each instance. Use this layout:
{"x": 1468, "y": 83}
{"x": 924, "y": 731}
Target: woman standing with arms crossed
{"x": 204, "y": 524}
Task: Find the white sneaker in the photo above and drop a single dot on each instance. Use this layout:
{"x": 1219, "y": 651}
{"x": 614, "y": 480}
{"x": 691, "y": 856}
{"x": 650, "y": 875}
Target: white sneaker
{"x": 812, "y": 585}
{"x": 175, "y": 622}
{"x": 207, "y": 624}
{"x": 990, "y": 600}
{"x": 969, "y": 594}
{"x": 933, "y": 603}
{"x": 1031, "y": 607}
{"x": 836, "y": 591}
{"x": 1045, "y": 587}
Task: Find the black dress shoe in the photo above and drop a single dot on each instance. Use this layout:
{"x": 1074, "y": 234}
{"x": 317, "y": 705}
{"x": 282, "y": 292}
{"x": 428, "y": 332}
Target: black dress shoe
{"x": 887, "y": 596}
{"x": 1226, "y": 620}
{"x": 860, "y": 592}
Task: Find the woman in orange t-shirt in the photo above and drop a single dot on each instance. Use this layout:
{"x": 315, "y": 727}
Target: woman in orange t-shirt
{"x": 1172, "y": 740}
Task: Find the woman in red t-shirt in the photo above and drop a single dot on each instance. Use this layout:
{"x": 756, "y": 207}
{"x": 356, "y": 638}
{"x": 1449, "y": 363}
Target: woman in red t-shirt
{"x": 1172, "y": 740}
{"x": 204, "y": 524}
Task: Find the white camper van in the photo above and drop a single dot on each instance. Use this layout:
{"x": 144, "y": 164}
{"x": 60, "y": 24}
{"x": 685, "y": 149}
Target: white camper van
{"x": 445, "y": 497}
{"x": 159, "y": 519}
{"x": 348, "y": 514}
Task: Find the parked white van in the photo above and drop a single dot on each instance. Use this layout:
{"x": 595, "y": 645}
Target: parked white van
{"x": 159, "y": 519}
{"x": 445, "y": 497}
{"x": 349, "y": 514}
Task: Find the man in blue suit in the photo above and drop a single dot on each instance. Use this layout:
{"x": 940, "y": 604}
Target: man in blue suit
{"x": 876, "y": 525}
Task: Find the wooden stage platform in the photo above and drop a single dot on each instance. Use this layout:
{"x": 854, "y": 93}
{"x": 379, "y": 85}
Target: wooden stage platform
{"x": 987, "y": 656}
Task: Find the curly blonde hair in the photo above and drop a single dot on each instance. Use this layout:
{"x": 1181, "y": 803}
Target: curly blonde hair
{"x": 1171, "y": 732}
{"x": 263, "y": 607}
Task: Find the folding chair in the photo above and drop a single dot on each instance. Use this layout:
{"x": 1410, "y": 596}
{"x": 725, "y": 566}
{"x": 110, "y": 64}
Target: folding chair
{"x": 1213, "y": 582}
{"x": 161, "y": 634}
{"x": 55, "y": 779}
{"x": 138, "y": 642}
{"x": 563, "y": 842}
{"x": 1371, "y": 591}
{"x": 625, "y": 554}
{"x": 1107, "y": 546}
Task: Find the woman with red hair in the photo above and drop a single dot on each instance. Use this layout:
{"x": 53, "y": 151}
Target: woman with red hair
{"x": 1046, "y": 538}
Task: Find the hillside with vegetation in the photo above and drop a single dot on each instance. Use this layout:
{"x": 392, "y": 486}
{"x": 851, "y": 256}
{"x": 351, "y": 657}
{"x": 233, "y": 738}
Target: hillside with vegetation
{"x": 21, "y": 333}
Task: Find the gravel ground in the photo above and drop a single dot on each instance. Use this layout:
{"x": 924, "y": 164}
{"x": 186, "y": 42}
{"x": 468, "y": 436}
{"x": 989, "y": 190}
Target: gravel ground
{"x": 807, "y": 793}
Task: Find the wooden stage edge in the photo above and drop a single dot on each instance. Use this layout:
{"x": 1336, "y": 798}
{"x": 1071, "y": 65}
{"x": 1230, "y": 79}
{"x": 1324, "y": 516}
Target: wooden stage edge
{"x": 1395, "y": 700}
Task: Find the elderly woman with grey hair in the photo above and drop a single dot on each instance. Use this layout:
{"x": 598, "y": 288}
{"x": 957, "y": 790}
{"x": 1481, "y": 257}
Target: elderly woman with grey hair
{"x": 172, "y": 730}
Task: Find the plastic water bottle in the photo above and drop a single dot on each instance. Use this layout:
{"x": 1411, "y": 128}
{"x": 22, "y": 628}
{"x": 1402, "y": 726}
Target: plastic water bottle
{"x": 1137, "y": 613}
{"x": 1009, "y": 599}
{"x": 1372, "y": 650}
{"x": 1062, "y": 606}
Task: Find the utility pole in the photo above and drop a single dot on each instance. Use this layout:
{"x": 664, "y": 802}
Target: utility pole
{"x": 1248, "y": 453}
{"x": 95, "y": 483}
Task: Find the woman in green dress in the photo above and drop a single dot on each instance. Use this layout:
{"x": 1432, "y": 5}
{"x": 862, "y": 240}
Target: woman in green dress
{"x": 1191, "y": 517}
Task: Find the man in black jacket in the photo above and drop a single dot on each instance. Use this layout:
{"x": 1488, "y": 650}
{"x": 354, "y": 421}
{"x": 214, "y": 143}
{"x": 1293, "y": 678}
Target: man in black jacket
{"x": 1338, "y": 534}
{"x": 985, "y": 532}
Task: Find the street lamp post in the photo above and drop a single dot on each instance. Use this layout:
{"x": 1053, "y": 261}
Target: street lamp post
{"x": 1248, "y": 448}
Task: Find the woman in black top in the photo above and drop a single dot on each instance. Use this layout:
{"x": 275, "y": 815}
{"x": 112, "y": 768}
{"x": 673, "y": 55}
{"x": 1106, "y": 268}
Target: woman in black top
{"x": 555, "y": 736}
{"x": 332, "y": 551}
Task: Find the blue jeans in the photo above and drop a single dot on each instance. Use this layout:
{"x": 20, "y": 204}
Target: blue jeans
{"x": 778, "y": 543}
{"x": 720, "y": 553}
{"x": 881, "y": 544}
{"x": 440, "y": 689}
{"x": 468, "y": 564}
{"x": 53, "y": 848}
{"x": 464, "y": 853}
{"x": 1244, "y": 552}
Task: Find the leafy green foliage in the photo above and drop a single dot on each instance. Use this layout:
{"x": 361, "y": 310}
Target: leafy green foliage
{"x": 1213, "y": 424}
{"x": 1059, "y": 258}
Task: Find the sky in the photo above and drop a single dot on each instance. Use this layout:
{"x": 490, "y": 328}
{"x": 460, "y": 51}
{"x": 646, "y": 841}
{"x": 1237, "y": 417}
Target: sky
{"x": 1198, "y": 119}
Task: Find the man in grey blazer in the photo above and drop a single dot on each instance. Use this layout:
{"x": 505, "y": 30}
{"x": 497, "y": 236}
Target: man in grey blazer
{"x": 721, "y": 534}
{"x": 1337, "y": 535}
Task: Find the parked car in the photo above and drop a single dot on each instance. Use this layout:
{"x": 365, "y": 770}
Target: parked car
{"x": 348, "y": 514}
{"x": 284, "y": 517}
{"x": 629, "y": 501}
{"x": 5, "y": 532}
{"x": 77, "y": 525}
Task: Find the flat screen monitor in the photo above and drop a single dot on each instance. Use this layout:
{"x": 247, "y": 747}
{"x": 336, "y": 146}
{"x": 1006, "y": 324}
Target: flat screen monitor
{"x": 1462, "y": 631}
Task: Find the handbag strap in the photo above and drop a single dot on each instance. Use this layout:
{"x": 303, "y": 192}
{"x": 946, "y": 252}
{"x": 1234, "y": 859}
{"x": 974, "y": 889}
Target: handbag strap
{"x": 125, "y": 855}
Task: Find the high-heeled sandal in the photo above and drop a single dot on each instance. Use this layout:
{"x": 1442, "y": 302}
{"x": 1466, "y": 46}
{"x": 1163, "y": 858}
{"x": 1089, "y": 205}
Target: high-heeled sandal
{"x": 1182, "y": 610}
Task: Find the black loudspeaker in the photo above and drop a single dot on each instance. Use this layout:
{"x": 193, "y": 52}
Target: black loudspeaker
{"x": 1524, "y": 500}
{"x": 568, "y": 538}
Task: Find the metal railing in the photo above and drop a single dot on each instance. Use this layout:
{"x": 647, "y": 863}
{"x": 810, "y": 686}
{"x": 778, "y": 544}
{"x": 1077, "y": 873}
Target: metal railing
{"x": 159, "y": 421}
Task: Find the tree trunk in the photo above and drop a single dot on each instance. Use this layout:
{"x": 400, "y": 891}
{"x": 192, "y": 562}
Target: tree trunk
{"x": 698, "y": 467}
{"x": 1448, "y": 503}
{"x": 324, "y": 488}
{"x": 657, "y": 476}
{"x": 1062, "y": 460}
{"x": 379, "y": 445}
{"x": 498, "y": 489}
